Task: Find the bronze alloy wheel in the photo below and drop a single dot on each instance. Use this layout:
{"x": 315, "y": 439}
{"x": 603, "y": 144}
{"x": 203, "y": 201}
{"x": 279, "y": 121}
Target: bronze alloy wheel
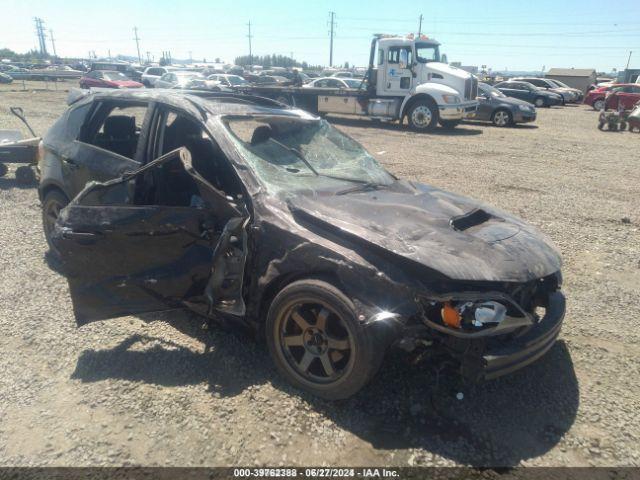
{"x": 315, "y": 342}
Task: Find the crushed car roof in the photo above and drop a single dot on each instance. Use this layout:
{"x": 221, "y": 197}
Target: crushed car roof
{"x": 215, "y": 103}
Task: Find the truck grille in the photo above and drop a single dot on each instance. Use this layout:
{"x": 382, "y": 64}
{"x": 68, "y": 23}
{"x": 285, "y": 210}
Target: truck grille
{"x": 471, "y": 88}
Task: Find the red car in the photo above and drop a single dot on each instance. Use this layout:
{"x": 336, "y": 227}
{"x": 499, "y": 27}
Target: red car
{"x": 107, "y": 79}
{"x": 625, "y": 91}
{"x": 625, "y": 96}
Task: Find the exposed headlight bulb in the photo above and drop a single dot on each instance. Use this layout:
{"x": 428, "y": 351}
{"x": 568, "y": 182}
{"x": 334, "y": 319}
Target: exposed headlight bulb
{"x": 489, "y": 312}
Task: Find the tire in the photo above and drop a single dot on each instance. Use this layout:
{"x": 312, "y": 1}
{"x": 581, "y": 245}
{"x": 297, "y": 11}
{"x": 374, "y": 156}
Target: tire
{"x": 423, "y": 115}
{"x": 315, "y": 315}
{"x": 598, "y": 104}
{"x": 449, "y": 124}
{"x": 53, "y": 202}
{"x": 25, "y": 175}
{"x": 502, "y": 118}
{"x": 540, "y": 102}
{"x": 3, "y": 169}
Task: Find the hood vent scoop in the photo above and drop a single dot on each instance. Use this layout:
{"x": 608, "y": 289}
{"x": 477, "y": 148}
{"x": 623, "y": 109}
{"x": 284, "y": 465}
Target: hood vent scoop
{"x": 470, "y": 219}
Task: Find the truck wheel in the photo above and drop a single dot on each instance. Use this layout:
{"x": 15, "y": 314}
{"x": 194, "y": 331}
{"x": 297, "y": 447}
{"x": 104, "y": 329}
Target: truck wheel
{"x": 3, "y": 169}
{"x": 598, "y": 104}
{"x": 317, "y": 343}
{"x": 539, "y": 102}
{"x": 449, "y": 124}
{"x": 502, "y": 118}
{"x": 423, "y": 115}
{"x": 25, "y": 175}
{"x": 53, "y": 202}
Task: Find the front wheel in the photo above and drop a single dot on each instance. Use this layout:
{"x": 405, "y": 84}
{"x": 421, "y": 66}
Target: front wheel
{"x": 423, "y": 115}
{"x": 502, "y": 118}
{"x": 539, "y": 102}
{"x": 316, "y": 341}
{"x": 598, "y": 104}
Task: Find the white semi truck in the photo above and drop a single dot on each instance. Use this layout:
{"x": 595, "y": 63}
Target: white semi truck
{"x": 405, "y": 79}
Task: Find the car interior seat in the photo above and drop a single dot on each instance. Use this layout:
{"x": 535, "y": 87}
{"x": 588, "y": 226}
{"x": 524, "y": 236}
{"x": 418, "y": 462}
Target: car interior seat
{"x": 120, "y": 135}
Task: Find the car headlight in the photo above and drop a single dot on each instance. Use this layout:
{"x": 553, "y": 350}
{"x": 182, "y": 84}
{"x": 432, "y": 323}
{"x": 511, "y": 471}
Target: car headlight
{"x": 525, "y": 108}
{"x": 450, "y": 99}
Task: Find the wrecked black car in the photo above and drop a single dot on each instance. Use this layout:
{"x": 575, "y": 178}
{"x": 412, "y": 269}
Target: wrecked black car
{"x": 243, "y": 209}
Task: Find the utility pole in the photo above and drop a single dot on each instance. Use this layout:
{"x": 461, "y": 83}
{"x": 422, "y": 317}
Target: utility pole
{"x": 53, "y": 43}
{"x": 332, "y": 16}
{"x": 109, "y": 53}
{"x": 249, "y": 37}
{"x": 148, "y": 60}
{"x": 190, "y": 56}
{"x": 40, "y": 33}
{"x": 137, "y": 39}
{"x": 629, "y": 59}
{"x": 420, "y": 26}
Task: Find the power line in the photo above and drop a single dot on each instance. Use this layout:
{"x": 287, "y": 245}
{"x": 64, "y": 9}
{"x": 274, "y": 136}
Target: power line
{"x": 249, "y": 36}
{"x": 332, "y": 15}
{"x": 53, "y": 43}
{"x": 137, "y": 39}
{"x": 40, "y": 33}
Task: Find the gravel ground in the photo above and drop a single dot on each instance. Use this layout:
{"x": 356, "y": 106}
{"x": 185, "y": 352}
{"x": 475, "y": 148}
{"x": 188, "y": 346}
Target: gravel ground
{"x": 164, "y": 390}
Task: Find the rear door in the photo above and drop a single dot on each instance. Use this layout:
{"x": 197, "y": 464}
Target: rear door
{"x": 123, "y": 256}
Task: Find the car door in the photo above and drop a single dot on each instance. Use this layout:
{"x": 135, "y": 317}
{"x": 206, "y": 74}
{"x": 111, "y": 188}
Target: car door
{"x": 628, "y": 97}
{"x": 485, "y": 108}
{"x": 125, "y": 256}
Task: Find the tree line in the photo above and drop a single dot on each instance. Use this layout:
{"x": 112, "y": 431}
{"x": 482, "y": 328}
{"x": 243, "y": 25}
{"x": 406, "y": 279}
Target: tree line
{"x": 274, "y": 61}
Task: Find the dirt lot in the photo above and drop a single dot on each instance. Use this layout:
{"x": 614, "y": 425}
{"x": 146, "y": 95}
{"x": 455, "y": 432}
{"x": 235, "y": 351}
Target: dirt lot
{"x": 161, "y": 390}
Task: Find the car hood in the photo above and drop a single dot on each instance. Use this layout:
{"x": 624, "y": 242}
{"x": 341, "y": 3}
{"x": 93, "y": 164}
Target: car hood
{"x": 456, "y": 236}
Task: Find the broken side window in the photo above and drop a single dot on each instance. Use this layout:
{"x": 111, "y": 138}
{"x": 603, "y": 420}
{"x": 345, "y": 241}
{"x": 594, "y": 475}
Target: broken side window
{"x": 116, "y": 128}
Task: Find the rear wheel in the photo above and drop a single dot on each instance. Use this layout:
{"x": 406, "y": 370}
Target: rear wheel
{"x": 316, "y": 341}
{"x": 423, "y": 115}
{"x": 539, "y": 102}
{"x": 502, "y": 118}
{"x": 598, "y": 104}
{"x": 53, "y": 202}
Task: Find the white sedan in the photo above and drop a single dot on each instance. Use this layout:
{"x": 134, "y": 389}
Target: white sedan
{"x": 334, "y": 82}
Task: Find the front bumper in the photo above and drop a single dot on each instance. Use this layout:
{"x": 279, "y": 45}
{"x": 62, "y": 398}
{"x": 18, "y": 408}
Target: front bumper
{"x": 458, "y": 111}
{"x": 524, "y": 117}
{"x": 512, "y": 355}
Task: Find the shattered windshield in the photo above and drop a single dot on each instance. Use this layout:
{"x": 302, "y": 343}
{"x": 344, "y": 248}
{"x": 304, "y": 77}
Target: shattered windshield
{"x": 294, "y": 153}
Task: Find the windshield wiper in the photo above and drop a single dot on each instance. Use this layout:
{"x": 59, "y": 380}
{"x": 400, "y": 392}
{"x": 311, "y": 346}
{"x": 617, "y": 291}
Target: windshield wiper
{"x": 297, "y": 153}
{"x": 362, "y": 187}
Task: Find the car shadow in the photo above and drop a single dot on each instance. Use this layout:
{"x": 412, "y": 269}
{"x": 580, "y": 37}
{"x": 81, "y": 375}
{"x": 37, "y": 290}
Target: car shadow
{"x": 8, "y": 182}
{"x": 518, "y": 126}
{"x": 394, "y": 126}
{"x": 499, "y": 423}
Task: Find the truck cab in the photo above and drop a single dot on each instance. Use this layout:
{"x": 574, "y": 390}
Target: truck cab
{"x": 408, "y": 70}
